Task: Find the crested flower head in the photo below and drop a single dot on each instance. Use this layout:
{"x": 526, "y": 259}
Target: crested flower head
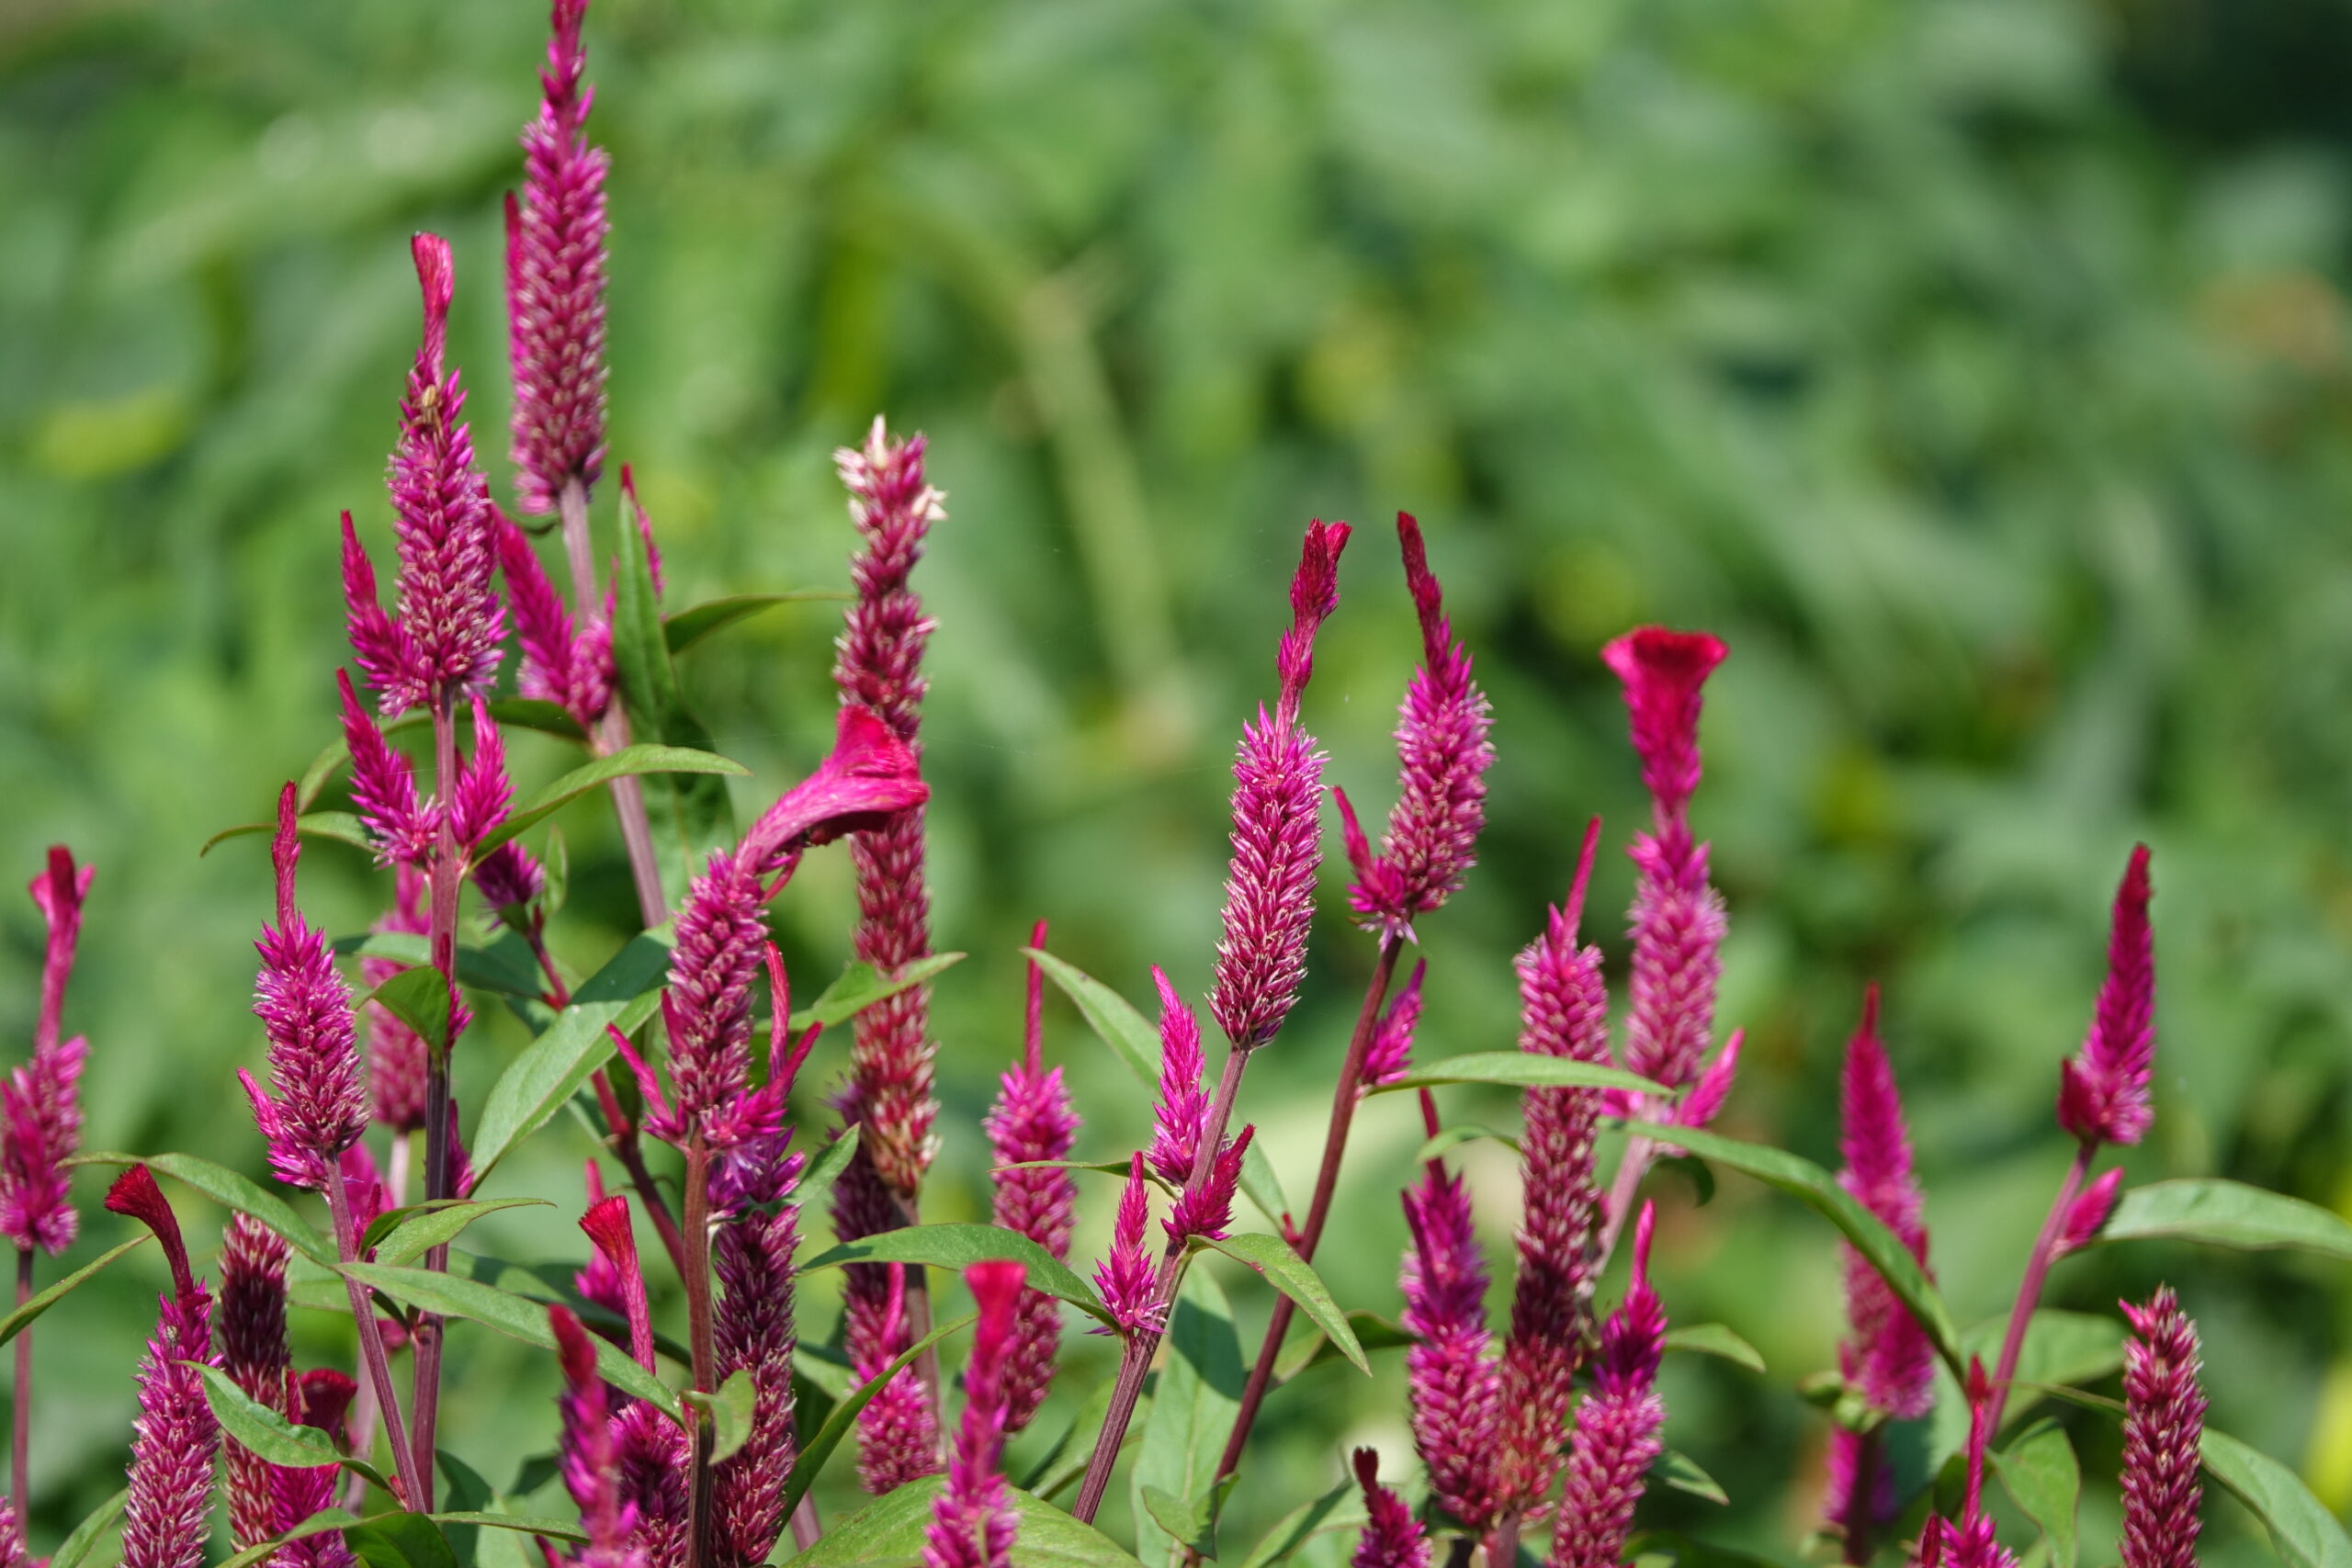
{"x": 1033, "y": 1121}
{"x": 40, "y": 1104}
{"x": 869, "y": 776}
{"x": 1277, "y": 836}
{"x": 1124, "y": 1278}
{"x": 555, "y": 280}
{"x": 1453, "y": 1384}
{"x": 405, "y": 828}
{"x": 1887, "y": 1356}
{"x": 2103, "y": 1090}
{"x": 606, "y": 1225}
{"x": 1182, "y": 1115}
{"x": 1392, "y": 1537}
{"x": 176, "y": 1439}
{"x": 1443, "y": 754}
{"x": 396, "y": 1053}
{"x": 571, "y": 670}
{"x": 1617, "y": 1426}
{"x": 320, "y": 1108}
{"x": 1390, "y": 1056}
{"x": 2164, "y": 1424}
{"x": 1663, "y": 673}
{"x": 972, "y": 1520}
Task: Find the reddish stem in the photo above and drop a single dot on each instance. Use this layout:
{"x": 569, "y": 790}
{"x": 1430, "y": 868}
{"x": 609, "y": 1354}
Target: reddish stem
{"x": 612, "y": 731}
{"x": 21, "y": 1427}
{"x": 2037, "y": 1270}
{"x": 448, "y": 867}
{"x": 1861, "y": 1501}
{"x": 371, "y": 1347}
{"x": 706, "y": 1355}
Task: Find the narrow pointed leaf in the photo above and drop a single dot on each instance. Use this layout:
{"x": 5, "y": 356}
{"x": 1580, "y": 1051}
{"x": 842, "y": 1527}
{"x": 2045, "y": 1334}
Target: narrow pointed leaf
{"x": 2301, "y": 1526}
{"x": 1447, "y": 1139}
{"x": 550, "y": 1070}
{"x": 890, "y": 1531}
{"x": 1200, "y": 1393}
{"x": 860, "y": 985}
{"x": 1715, "y": 1339}
{"x": 690, "y": 813}
{"x": 1332, "y": 1511}
{"x": 1062, "y": 1465}
{"x": 77, "y": 1547}
{"x": 1114, "y": 1020}
{"x": 231, "y": 1190}
{"x": 319, "y": 1523}
{"x": 402, "y": 1235}
{"x": 630, "y": 761}
{"x": 686, "y": 628}
{"x": 1677, "y": 1470}
{"x": 1191, "y": 1522}
{"x": 1313, "y": 1348}
{"x": 818, "y": 1449}
{"x": 1518, "y": 1069}
{"x": 2226, "y": 1214}
{"x": 399, "y": 1540}
{"x": 730, "y": 1410}
{"x": 16, "y": 1322}
{"x": 1260, "y": 1185}
{"x": 1296, "y": 1278}
{"x": 477, "y": 967}
{"x": 2039, "y": 1471}
{"x": 341, "y": 826}
{"x": 816, "y": 1183}
{"x": 271, "y": 1435}
{"x": 420, "y": 998}
{"x": 958, "y": 1246}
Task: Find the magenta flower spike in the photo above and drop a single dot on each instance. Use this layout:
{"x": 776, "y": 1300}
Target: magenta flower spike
{"x": 2087, "y": 1215}
{"x": 508, "y": 879}
{"x": 478, "y": 800}
{"x": 405, "y": 826}
{"x": 1390, "y": 1055}
{"x": 1617, "y": 1426}
{"x": 1277, "y": 838}
{"x": 1205, "y": 1210}
{"x": 1392, "y": 1537}
{"x": 1455, "y": 1391}
{"x": 40, "y": 1107}
{"x": 1887, "y": 1357}
{"x": 1563, "y": 1012}
{"x": 644, "y": 529}
{"x": 318, "y": 1400}
{"x": 380, "y": 646}
{"x": 253, "y": 1353}
{"x": 707, "y": 1007}
{"x": 2103, "y": 1090}
{"x": 973, "y": 1523}
{"x": 396, "y": 1053}
{"x": 652, "y": 1464}
{"x": 617, "y": 1278}
{"x": 571, "y": 670}
{"x": 898, "y": 1431}
{"x": 1970, "y": 1543}
{"x": 2164, "y": 1424}
{"x": 321, "y": 1107}
{"x": 1678, "y": 917}
{"x": 176, "y": 1439}
{"x": 1124, "y": 1278}
{"x": 555, "y": 280}
{"x": 1033, "y": 1119}
{"x": 1443, "y": 754}
{"x": 13, "y": 1551}
{"x": 1181, "y": 1117}
{"x": 590, "y": 1455}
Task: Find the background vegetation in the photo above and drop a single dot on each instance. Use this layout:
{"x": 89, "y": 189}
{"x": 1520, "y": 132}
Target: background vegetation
{"x": 1977, "y": 367}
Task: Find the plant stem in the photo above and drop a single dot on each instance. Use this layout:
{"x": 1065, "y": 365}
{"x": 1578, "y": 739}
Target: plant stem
{"x": 2037, "y": 1270}
{"x": 612, "y": 731}
{"x": 1144, "y": 1343}
{"x": 447, "y": 867}
{"x": 1861, "y": 1508}
{"x": 1344, "y": 1096}
{"x": 698, "y": 1318}
{"x": 1632, "y": 1165}
{"x": 361, "y": 1426}
{"x": 21, "y": 1423}
{"x": 371, "y": 1347}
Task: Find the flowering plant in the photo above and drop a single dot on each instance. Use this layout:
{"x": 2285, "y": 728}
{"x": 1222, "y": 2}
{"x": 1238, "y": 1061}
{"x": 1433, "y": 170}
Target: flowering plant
{"x": 702, "y": 1448}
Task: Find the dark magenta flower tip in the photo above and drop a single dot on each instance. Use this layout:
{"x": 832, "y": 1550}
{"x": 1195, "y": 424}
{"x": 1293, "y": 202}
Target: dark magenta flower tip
{"x": 1314, "y": 594}
{"x": 2088, "y": 1214}
{"x": 996, "y": 1290}
{"x": 1392, "y": 1537}
{"x": 436, "y": 278}
{"x": 1663, "y": 673}
{"x": 326, "y": 1397}
{"x": 135, "y": 1195}
{"x": 870, "y": 776}
{"x": 2104, "y": 1092}
{"x": 575, "y": 1348}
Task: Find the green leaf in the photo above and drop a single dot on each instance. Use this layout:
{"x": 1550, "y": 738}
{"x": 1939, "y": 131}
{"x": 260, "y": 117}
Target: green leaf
{"x": 1296, "y": 1278}
{"x": 1715, "y": 1339}
{"x": 340, "y": 826}
{"x": 403, "y": 1234}
{"x": 730, "y": 1410}
{"x": 641, "y": 966}
{"x": 1200, "y": 1393}
{"x": 690, "y": 814}
{"x": 550, "y": 1070}
{"x": 452, "y": 1296}
{"x": 1260, "y": 1185}
{"x": 1818, "y": 1189}
{"x": 1330, "y": 1512}
{"x": 2060, "y": 1348}
{"x": 890, "y": 1531}
{"x": 1062, "y": 1465}
{"x": 259, "y": 1428}
{"x": 958, "y": 1246}
{"x": 1191, "y": 1522}
{"x": 861, "y": 986}
{"x": 630, "y": 761}
{"x": 686, "y": 628}
{"x": 16, "y": 1322}
{"x": 468, "y": 1492}
{"x": 2301, "y": 1526}
{"x": 816, "y": 1183}
{"x": 1675, "y": 1547}
{"x": 231, "y": 1190}
{"x": 399, "y": 1540}
{"x": 2039, "y": 1471}
{"x": 84, "y": 1539}
{"x": 555, "y": 1529}
{"x": 1134, "y": 1037}
{"x": 1447, "y": 1139}
{"x": 818, "y": 1449}
{"x": 319, "y": 1523}
{"x": 1373, "y": 1331}
{"x": 420, "y": 998}
{"x": 1520, "y": 1069}
{"x": 1679, "y": 1470}
{"x": 477, "y": 967}
{"x": 2226, "y": 1214}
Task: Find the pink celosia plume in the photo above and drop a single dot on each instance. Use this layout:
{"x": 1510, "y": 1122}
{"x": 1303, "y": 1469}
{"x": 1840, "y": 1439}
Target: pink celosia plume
{"x": 253, "y": 1353}
{"x": 2103, "y": 1094}
{"x": 479, "y": 799}
{"x": 2087, "y": 1215}
{"x": 570, "y": 669}
{"x": 1392, "y": 1538}
{"x": 1888, "y": 1357}
{"x": 2164, "y": 1424}
{"x": 316, "y": 1399}
{"x": 1181, "y": 1117}
{"x": 1124, "y": 1278}
{"x": 1456, "y": 1388}
{"x": 405, "y": 826}
{"x": 973, "y": 1523}
{"x": 1390, "y": 1055}
{"x": 1617, "y": 1426}
{"x": 1033, "y": 1121}
{"x": 40, "y": 1107}
{"x": 396, "y": 1053}
{"x": 898, "y": 1431}
{"x": 590, "y": 1453}
{"x": 1205, "y": 1209}
{"x": 176, "y": 1441}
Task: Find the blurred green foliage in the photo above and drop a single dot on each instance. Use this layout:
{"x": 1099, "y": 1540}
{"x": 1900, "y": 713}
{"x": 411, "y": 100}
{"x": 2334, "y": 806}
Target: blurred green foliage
{"x": 1977, "y": 367}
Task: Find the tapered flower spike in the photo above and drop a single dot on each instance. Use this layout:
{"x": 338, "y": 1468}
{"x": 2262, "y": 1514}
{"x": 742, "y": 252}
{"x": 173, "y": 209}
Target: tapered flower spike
{"x": 318, "y": 1400}
{"x": 404, "y": 827}
{"x": 1617, "y": 1426}
{"x": 1205, "y": 1210}
{"x": 2103, "y": 1090}
{"x": 972, "y": 1520}
{"x": 2088, "y": 1214}
{"x": 1390, "y": 1055}
{"x": 571, "y": 670}
{"x": 1181, "y": 1115}
{"x": 1678, "y": 917}
{"x": 1124, "y": 1278}
{"x": 253, "y": 1353}
{"x": 321, "y": 1107}
{"x": 898, "y": 1433}
{"x": 1455, "y": 1390}
{"x": 606, "y": 1225}
{"x": 1443, "y": 754}
{"x": 40, "y": 1107}
{"x": 652, "y": 1467}
{"x": 508, "y": 879}
{"x": 1277, "y": 836}
{"x": 555, "y": 280}
{"x": 2164, "y": 1424}
{"x": 380, "y": 646}
{"x": 448, "y": 612}
{"x": 644, "y": 527}
{"x": 1563, "y": 1012}
{"x": 1392, "y": 1538}
{"x": 1889, "y": 1359}
{"x": 396, "y": 1053}
{"x": 479, "y": 801}
{"x": 176, "y": 1440}
{"x": 707, "y": 1007}
{"x": 1033, "y": 1121}
{"x": 591, "y": 1457}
